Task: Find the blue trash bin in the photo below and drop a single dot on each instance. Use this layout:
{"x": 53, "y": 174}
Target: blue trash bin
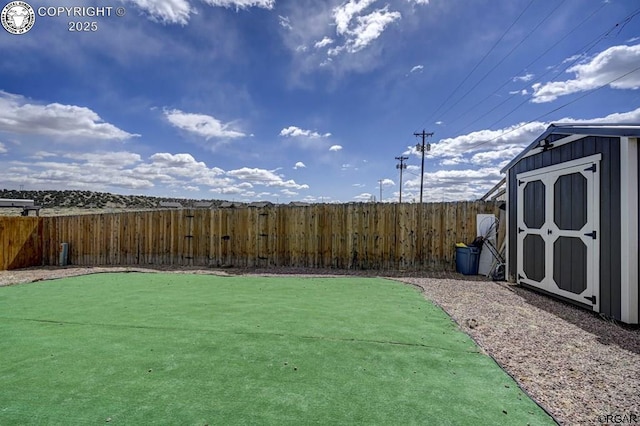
{"x": 467, "y": 260}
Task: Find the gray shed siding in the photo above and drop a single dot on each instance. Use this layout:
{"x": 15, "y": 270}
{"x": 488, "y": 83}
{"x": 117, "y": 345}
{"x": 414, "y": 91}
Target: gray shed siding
{"x": 610, "y": 290}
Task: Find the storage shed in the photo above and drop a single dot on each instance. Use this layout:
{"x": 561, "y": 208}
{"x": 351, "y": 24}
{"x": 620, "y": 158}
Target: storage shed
{"x": 572, "y": 217}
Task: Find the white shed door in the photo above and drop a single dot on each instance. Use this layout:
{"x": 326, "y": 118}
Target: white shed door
{"x": 558, "y": 227}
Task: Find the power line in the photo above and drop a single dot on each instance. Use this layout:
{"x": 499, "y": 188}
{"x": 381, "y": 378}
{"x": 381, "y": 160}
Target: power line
{"x": 479, "y": 63}
{"x": 590, "y": 45}
{"x": 579, "y": 56}
{"x": 498, "y": 63}
{"x": 587, "y": 93}
{"x": 526, "y": 67}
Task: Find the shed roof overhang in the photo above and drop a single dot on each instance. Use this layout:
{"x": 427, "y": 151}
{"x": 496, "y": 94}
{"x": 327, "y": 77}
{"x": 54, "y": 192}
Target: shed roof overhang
{"x": 583, "y": 129}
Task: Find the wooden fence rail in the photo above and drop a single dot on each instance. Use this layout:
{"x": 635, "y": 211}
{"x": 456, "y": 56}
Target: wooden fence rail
{"x": 345, "y": 236}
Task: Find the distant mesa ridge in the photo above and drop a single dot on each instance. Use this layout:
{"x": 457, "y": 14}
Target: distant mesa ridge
{"x": 91, "y": 199}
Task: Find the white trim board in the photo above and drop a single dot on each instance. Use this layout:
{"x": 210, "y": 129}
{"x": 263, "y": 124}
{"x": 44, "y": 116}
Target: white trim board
{"x": 507, "y": 275}
{"x": 559, "y": 142}
{"x": 560, "y": 166}
{"x": 629, "y": 230}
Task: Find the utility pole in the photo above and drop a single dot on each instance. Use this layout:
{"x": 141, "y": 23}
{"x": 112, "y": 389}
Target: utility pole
{"x": 380, "y": 182}
{"x": 401, "y": 166}
{"x": 422, "y": 148}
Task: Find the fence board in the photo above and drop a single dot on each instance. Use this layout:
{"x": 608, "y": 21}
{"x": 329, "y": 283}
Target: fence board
{"x": 21, "y": 241}
{"x": 357, "y": 236}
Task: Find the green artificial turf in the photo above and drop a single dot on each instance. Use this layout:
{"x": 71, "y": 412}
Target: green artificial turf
{"x": 197, "y": 349}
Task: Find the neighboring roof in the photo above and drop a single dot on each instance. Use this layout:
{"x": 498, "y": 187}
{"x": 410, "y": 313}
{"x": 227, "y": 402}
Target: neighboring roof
{"x": 496, "y": 191}
{"x": 170, "y": 204}
{"x": 587, "y": 129}
{"x": 260, "y": 204}
{"x": 16, "y": 202}
{"x": 203, "y": 204}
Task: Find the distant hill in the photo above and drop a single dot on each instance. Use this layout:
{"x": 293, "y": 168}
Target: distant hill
{"x": 90, "y": 199}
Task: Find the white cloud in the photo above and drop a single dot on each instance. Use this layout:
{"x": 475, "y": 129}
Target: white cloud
{"x": 364, "y": 197}
{"x": 20, "y": 116}
{"x": 486, "y": 152}
{"x": 602, "y": 69}
{"x": 3, "y": 148}
{"x": 571, "y": 59}
{"x": 357, "y": 26}
{"x": 284, "y": 22}
{"x": 525, "y": 77}
{"x": 419, "y": 1}
{"x": 369, "y": 28}
{"x": 335, "y": 148}
{"x": 334, "y": 51}
{"x": 202, "y": 125}
{"x": 452, "y": 185}
{"x": 344, "y": 13}
{"x": 180, "y": 169}
{"x": 326, "y": 41}
{"x": 417, "y": 68}
{"x": 106, "y": 159}
{"x": 293, "y": 131}
{"x": 299, "y": 165}
{"x": 243, "y": 189}
{"x": 264, "y": 177}
{"x": 174, "y": 169}
{"x": 41, "y": 155}
{"x": 483, "y": 140}
{"x": 506, "y": 143}
{"x": 360, "y": 30}
{"x": 288, "y": 193}
{"x": 314, "y": 25}
{"x": 166, "y": 11}
{"x": 65, "y": 175}
{"x": 617, "y": 117}
{"x": 179, "y": 11}
{"x": 386, "y": 183}
{"x": 522, "y": 92}
{"x": 453, "y": 161}
{"x": 231, "y": 190}
{"x": 174, "y": 160}
{"x": 109, "y": 170}
{"x": 242, "y": 4}
{"x": 439, "y": 123}
{"x": 491, "y": 157}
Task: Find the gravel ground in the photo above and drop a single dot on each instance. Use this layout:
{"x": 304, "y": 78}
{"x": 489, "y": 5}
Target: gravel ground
{"x": 578, "y": 366}
{"x": 581, "y": 368}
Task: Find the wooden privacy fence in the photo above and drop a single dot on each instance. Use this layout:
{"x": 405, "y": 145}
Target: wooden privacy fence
{"x": 345, "y": 236}
{"x": 20, "y": 242}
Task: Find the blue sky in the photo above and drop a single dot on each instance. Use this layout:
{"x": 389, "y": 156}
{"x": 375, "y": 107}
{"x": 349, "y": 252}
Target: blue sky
{"x": 305, "y": 100}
